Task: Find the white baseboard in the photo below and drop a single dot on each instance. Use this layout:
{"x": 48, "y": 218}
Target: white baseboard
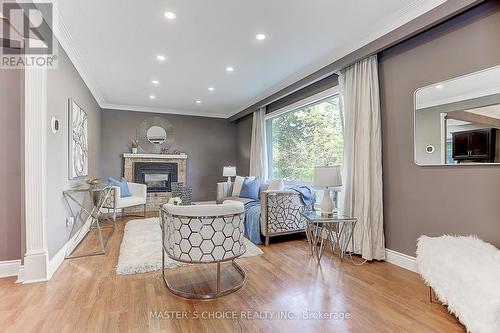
{"x": 9, "y": 268}
{"x": 58, "y": 258}
{"x": 402, "y": 260}
{"x": 20, "y": 274}
{"x": 36, "y": 264}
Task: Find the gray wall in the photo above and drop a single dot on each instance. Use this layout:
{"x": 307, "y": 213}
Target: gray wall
{"x": 436, "y": 200}
{"x": 244, "y": 138}
{"x": 209, "y": 142}
{"x": 63, "y": 83}
{"x": 11, "y": 150}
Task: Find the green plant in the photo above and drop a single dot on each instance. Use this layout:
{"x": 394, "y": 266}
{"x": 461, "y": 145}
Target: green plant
{"x": 135, "y": 143}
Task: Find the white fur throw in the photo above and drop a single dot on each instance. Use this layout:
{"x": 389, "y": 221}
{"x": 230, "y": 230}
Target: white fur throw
{"x": 464, "y": 273}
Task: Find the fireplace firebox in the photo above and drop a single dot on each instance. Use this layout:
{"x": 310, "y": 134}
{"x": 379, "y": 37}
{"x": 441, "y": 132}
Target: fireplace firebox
{"x": 158, "y": 177}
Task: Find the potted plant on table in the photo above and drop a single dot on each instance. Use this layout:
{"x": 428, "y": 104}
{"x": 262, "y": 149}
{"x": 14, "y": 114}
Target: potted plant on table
{"x": 135, "y": 145}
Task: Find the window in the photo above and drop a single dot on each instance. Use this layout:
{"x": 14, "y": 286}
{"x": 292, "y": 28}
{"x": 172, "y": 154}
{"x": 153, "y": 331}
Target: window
{"x": 303, "y": 137}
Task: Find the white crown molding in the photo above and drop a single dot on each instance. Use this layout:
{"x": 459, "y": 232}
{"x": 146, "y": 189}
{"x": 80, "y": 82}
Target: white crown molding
{"x": 67, "y": 42}
{"x": 124, "y": 107}
{"x": 9, "y": 268}
{"x": 397, "y": 19}
{"x": 411, "y": 11}
{"x": 402, "y": 260}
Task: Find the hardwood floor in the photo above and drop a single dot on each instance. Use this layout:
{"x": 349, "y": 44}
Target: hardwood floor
{"x": 85, "y": 295}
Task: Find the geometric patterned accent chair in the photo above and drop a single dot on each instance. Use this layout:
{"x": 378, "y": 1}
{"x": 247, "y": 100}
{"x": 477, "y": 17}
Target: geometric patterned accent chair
{"x": 281, "y": 213}
{"x": 280, "y": 210}
{"x": 204, "y": 234}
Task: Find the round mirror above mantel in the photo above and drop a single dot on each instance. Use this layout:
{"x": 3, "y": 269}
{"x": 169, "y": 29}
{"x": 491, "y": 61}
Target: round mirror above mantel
{"x": 155, "y": 134}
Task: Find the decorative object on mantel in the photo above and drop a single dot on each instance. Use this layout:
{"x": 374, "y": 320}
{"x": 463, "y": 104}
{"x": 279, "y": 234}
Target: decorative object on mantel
{"x": 229, "y": 171}
{"x": 78, "y": 149}
{"x": 183, "y": 192}
{"x": 155, "y": 134}
{"x": 326, "y": 177}
{"x": 176, "y": 201}
{"x": 135, "y": 145}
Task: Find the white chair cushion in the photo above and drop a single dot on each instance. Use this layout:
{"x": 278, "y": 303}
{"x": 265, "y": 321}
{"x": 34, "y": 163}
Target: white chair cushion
{"x": 129, "y": 202}
{"x": 227, "y": 208}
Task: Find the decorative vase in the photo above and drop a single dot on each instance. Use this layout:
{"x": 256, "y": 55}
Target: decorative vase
{"x": 134, "y": 150}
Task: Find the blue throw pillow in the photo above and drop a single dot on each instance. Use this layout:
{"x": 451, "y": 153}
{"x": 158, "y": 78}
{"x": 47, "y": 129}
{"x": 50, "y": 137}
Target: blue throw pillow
{"x": 250, "y": 188}
{"x": 122, "y": 184}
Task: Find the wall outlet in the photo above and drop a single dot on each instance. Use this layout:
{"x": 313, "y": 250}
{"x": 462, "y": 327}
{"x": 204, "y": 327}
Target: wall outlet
{"x": 69, "y": 221}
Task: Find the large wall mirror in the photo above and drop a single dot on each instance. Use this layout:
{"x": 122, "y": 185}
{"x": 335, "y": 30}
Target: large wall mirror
{"x": 457, "y": 122}
{"x": 154, "y": 134}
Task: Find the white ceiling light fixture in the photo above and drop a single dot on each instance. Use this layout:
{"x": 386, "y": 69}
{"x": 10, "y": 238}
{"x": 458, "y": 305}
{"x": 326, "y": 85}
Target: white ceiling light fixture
{"x": 229, "y": 69}
{"x": 152, "y": 96}
{"x": 212, "y": 89}
{"x": 439, "y": 86}
{"x": 155, "y": 82}
{"x": 260, "y": 37}
{"x": 161, "y": 57}
{"x": 169, "y": 15}
{"x": 198, "y": 102}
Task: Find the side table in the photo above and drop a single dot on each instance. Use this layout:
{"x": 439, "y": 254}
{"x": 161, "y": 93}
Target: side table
{"x": 98, "y": 196}
{"x": 331, "y": 230}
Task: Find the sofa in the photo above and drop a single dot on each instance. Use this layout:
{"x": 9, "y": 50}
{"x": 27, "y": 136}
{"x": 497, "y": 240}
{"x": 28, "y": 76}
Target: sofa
{"x": 280, "y": 210}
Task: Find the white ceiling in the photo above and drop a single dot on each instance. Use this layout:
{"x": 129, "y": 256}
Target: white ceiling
{"x": 114, "y": 44}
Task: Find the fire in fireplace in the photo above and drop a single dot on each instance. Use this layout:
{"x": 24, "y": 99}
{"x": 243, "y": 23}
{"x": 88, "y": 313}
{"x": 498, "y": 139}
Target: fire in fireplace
{"x": 158, "y": 177}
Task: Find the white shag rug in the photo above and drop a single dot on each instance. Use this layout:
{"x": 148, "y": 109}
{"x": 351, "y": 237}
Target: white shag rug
{"x": 140, "y": 251}
{"x": 464, "y": 273}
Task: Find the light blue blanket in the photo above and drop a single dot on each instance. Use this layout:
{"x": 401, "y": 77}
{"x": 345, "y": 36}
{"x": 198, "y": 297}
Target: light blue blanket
{"x": 252, "y": 221}
{"x": 306, "y": 192}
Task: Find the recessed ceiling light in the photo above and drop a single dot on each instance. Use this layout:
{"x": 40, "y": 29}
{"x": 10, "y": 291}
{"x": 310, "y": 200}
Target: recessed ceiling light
{"x": 229, "y": 69}
{"x": 439, "y": 86}
{"x": 211, "y": 89}
{"x": 169, "y": 15}
{"x": 198, "y": 102}
{"x": 152, "y": 96}
{"x": 155, "y": 82}
{"x": 161, "y": 57}
{"x": 260, "y": 36}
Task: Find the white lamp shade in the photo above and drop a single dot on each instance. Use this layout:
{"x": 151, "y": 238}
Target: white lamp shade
{"x": 327, "y": 176}
{"x": 229, "y": 171}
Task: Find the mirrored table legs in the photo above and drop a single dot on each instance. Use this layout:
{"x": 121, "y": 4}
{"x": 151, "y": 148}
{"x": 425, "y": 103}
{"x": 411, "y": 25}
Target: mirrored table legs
{"x": 92, "y": 210}
{"x": 336, "y": 231}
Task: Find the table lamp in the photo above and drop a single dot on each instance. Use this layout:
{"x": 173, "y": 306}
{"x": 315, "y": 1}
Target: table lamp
{"x": 326, "y": 177}
{"x": 229, "y": 171}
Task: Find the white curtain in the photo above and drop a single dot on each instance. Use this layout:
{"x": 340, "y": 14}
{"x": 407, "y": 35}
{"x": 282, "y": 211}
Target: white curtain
{"x": 362, "y": 176}
{"x": 258, "y": 148}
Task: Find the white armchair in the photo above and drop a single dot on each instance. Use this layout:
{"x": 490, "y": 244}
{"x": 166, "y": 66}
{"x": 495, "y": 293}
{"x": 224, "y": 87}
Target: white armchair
{"x": 204, "y": 234}
{"x": 138, "y": 197}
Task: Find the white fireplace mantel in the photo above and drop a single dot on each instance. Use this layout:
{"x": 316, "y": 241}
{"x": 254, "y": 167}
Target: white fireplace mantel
{"x": 158, "y": 156}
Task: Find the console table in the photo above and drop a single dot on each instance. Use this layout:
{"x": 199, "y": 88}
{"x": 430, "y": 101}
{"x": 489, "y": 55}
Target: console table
{"x": 97, "y": 196}
{"x": 333, "y": 229}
